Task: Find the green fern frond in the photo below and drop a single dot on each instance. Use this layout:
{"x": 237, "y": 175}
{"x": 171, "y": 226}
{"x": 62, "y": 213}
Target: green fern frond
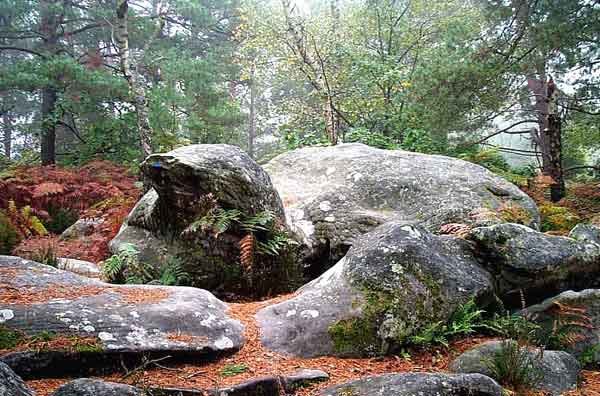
{"x": 261, "y": 221}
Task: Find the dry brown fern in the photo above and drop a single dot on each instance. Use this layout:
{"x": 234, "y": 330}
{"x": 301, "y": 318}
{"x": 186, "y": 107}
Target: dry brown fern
{"x": 457, "y": 229}
{"x": 247, "y": 252}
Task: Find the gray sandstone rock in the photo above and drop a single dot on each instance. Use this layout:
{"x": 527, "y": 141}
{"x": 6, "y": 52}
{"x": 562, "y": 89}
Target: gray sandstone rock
{"x": 422, "y": 384}
{"x": 121, "y": 318}
{"x": 186, "y": 184}
{"x": 11, "y": 384}
{"x": 334, "y": 194}
{"x": 539, "y": 265}
{"x": 394, "y": 282}
{"x": 558, "y": 371}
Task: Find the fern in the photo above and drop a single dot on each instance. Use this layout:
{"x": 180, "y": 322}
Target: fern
{"x": 262, "y": 221}
{"x": 173, "y": 274}
{"x": 247, "y": 244}
{"x": 114, "y": 266}
{"x": 217, "y": 221}
{"x": 274, "y": 245}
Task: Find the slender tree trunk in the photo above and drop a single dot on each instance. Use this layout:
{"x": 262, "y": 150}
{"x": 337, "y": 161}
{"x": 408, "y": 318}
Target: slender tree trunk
{"x": 7, "y": 136}
{"x": 252, "y": 123}
{"x": 49, "y": 29}
{"x": 136, "y": 90}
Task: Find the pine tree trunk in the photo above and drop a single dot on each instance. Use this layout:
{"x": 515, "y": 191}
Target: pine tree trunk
{"x": 49, "y": 30}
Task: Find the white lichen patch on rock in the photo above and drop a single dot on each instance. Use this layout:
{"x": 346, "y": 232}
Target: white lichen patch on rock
{"x": 6, "y": 315}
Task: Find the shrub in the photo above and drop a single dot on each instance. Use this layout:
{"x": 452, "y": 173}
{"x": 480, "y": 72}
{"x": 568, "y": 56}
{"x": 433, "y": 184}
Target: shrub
{"x": 8, "y": 235}
{"x": 60, "y": 219}
{"x": 513, "y": 326}
{"x": 514, "y": 213}
{"x": 515, "y": 366}
{"x": 43, "y": 250}
{"x": 557, "y": 218}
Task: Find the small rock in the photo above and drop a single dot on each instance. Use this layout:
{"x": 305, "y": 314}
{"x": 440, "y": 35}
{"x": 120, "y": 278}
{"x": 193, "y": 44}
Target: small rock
{"x": 11, "y": 384}
{"x": 80, "y": 267}
{"x": 82, "y": 227}
{"x": 558, "y": 370}
{"x": 302, "y": 378}
{"x": 412, "y": 384}
{"x": 93, "y": 387}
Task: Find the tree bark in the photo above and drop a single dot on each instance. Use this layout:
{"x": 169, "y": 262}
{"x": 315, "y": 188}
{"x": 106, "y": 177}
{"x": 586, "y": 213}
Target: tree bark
{"x": 548, "y": 137}
{"x": 50, "y": 21}
{"x": 136, "y": 90}
{"x": 252, "y": 123}
{"x": 7, "y": 136}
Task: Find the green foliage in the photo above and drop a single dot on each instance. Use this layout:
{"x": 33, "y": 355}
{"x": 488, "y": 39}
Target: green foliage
{"x": 8, "y": 235}
{"x": 125, "y": 267}
{"x": 231, "y": 370}
{"x": 173, "y": 274}
{"x": 557, "y": 218}
{"x": 9, "y": 338}
{"x": 113, "y": 267}
{"x": 515, "y": 366}
{"x": 217, "y": 221}
{"x": 466, "y": 320}
{"x": 43, "y": 336}
{"x": 375, "y": 139}
{"x": 588, "y": 358}
{"x": 513, "y": 326}
{"x": 60, "y": 219}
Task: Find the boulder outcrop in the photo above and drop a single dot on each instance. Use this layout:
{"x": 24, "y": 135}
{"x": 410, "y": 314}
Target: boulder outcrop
{"x": 394, "y": 282}
{"x": 212, "y": 208}
{"x": 334, "y": 194}
{"x": 536, "y": 265}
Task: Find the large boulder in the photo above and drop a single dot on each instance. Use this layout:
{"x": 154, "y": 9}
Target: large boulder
{"x": 412, "y": 384}
{"x": 334, "y": 194}
{"x": 86, "y": 315}
{"x": 574, "y": 316}
{"x": 554, "y": 372}
{"x": 11, "y": 384}
{"x": 214, "y": 209}
{"x": 537, "y": 265}
{"x": 394, "y": 282}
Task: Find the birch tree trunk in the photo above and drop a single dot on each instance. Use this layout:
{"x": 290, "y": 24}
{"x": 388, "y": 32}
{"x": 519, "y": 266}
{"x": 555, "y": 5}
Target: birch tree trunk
{"x": 252, "y": 123}
{"x": 7, "y": 135}
{"x": 136, "y": 89}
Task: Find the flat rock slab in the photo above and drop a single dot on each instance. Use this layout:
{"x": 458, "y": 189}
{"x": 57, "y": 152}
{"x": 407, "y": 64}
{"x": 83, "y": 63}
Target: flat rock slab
{"x": 36, "y": 298}
{"x": 333, "y": 194}
{"x": 558, "y": 370}
{"x": 412, "y": 384}
{"x": 539, "y": 265}
{"x": 394, "y": 282}
{"x": 11, "y": 384}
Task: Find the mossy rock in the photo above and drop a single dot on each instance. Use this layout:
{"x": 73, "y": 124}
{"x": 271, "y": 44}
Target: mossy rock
{"x": 394, "y": 283}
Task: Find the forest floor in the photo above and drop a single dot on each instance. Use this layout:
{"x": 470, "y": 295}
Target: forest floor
{"x": 254, "y": 361}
